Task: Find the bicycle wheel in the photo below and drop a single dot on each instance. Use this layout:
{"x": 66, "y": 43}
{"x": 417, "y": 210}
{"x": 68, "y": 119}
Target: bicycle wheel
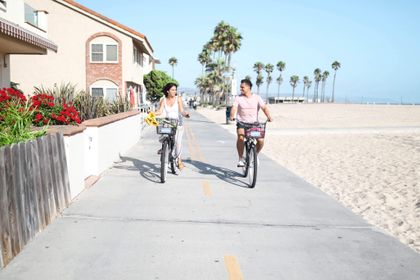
{"x": 245, "y": 169}
{"x": 164, "y": 161}
{"x": 172, "y": 159}
{"x": 253, "y": 166}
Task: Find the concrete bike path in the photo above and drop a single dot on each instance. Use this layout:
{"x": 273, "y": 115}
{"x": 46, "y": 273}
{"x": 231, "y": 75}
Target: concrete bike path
{"x": 206, "y": 224}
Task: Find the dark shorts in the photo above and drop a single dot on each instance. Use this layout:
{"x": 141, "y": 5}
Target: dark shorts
{"x": 241, "y": 125}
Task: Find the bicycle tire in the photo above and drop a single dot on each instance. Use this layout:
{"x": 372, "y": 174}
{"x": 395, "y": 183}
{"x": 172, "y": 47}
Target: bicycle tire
{"x": 253, "y": 166}
{"x": 172, "y": 159}
{"x": 245, "y": 169}
{"x": 164, "y": 161}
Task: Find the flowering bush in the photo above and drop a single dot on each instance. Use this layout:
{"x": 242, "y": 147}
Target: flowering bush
{"x": 18, "y": 114}
{"x": 10, "y": 95}
{"x": 16, "y": 118}
{"x": 47, "y": 111}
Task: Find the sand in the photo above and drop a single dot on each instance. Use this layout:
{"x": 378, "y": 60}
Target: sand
{"x": 365, "y": 156}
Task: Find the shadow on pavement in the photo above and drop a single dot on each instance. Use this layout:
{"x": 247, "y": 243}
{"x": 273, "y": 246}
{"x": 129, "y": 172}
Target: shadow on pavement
{"x": 222, "y": 173}
{"x": 147, "y": 170}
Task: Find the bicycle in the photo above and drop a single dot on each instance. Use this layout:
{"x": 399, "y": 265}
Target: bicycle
{"x": 253, "y": 131}
{"x": 167, "y": 129}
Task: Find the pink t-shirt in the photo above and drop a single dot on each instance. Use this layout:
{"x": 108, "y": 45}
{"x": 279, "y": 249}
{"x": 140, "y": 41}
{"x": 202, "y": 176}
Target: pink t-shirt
{"x": 248, "y": 107}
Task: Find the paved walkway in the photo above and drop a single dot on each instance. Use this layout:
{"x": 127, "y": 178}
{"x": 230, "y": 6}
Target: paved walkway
{"x": 206, "y": 224}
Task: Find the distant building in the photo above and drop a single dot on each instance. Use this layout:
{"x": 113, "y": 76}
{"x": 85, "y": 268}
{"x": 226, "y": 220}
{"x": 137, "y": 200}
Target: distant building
{"x": 96, "y": 53}
{"x": 21, "y": 34}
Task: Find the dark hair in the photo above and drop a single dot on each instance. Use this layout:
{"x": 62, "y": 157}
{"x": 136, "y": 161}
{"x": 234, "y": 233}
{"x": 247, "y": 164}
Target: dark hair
{"x": 168, "y": 87}
{"x": 247, "y": 81}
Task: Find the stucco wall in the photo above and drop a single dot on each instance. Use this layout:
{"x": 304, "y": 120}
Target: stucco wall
{"x": 69, "y": 30}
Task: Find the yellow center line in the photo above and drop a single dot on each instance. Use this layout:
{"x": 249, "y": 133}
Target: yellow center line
{"x": 232, "y": 266}
{"x": 196, "y": 153}
{"x": 206, "y": 188}
{"x": 190, "y": 147}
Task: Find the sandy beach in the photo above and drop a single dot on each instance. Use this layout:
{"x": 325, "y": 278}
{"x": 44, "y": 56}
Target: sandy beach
{"x": 365, "y": 156}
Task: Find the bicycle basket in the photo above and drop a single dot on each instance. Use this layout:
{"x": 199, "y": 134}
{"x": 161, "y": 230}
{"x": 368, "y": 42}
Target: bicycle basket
{"x": 256, "y": 131}
{"x": 167, "y": 127}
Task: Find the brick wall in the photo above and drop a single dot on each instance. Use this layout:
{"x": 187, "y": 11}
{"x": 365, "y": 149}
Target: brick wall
{"x": 104, "y": 71}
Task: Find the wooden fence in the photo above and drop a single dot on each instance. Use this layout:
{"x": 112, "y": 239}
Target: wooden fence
{"x": 34, "y": 188}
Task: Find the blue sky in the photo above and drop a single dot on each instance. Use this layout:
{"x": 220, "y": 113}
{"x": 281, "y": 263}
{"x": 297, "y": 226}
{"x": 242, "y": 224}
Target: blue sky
{"x": 376, "y": 42}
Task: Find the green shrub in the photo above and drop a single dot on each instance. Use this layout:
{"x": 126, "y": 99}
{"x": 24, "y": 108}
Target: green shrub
{"x": 90, "y": 107}
{"x": 16, "y": 122}
{"x": 119, "y": 105}
{"x": 65, "y": 93}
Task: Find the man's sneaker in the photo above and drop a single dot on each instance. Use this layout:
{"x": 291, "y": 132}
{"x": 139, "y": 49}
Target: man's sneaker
{"x": 241, "y": 163}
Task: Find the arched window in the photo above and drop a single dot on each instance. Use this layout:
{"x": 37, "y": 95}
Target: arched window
{"x": 104, "y": 88}
{"x": 103, "y": 49}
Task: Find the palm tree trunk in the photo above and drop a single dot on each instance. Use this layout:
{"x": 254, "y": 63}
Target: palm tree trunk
{"x": 172, "y": 71}
{"x": 266, "y": 93}
{"x": 293, "y": 94}
{"x": 303, "y": 94}
{"x": 332, "y": 97}
{"x": 278, "y": 92}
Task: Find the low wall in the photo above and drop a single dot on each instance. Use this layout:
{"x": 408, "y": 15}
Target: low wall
{"x": 96, "y": 144}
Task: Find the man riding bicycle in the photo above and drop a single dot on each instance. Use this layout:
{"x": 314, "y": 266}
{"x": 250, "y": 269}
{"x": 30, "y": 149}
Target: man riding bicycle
{"x": 247, "y": 106}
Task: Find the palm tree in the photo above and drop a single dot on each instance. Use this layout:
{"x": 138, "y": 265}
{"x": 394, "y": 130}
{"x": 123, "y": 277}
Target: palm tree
{"x": 294, "y": 80}
{"x": 317, "y": 78}
{"x": 204, "y": 85}
{"x": 220, "y": 84}
{"x": 258, "y": 67}
{"x": 248, "y": 77}
{"x": 308, "y": 85}
{"x": 268, "y": 69}
{"x": 335, "y": 65}
{"x": 227, "y": 40}
{"x": 281, "y": 65}
{"x": 204, "y": 59}
{"x": 259, "y": 82}
{"x": 324, "y": 79}
{"x": 305, "y": 83}
{"x": 173, "y": 61}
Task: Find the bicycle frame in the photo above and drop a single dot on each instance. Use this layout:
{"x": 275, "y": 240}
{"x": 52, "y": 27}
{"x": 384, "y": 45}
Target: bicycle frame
{"x": 167, "y": 129}
{"x": 252, "y": 133}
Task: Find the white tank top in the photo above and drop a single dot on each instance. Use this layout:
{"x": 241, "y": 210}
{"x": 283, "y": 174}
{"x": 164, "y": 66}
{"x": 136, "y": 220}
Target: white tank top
{"x": 171, "y": 112}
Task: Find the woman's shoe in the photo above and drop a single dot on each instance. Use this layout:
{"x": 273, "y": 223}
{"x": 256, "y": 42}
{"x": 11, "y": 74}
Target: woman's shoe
{"x": 180, "y": 164}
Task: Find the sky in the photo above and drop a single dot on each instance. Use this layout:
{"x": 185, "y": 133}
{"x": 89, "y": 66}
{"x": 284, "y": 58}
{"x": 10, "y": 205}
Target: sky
{"x": 377, "y": 42}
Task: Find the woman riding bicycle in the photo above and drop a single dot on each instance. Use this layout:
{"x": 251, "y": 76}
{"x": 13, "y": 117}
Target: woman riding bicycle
{"x": 172, "y": 107}
{"x": 247, "y": 106}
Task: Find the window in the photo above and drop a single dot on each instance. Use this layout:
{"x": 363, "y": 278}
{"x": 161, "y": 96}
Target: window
{"x": 104, "y": 52}
{"x": 31, "y": 16}
{"x": 137, "y": 57}
{"x": 97, "y": 52}
{"x": 110, "y": 93}
{"x": 97, "y": 92}
{"x": 3, "y": 5}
